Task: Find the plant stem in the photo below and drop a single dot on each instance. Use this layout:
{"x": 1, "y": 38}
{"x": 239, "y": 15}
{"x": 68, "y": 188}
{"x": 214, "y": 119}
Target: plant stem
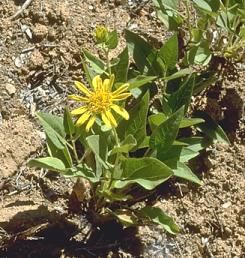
{"x": 187, "y": 3}
{"x": 75, "y": 151}
{"x": 108, "y": 60}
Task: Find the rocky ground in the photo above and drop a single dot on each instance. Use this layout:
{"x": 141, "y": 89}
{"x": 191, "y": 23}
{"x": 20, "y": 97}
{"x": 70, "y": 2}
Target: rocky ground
{"x": 39, "y": 59}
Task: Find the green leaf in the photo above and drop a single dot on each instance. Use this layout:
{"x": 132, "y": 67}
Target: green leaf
{"x": 183, "y": 171}
{"x": 112, "y": 40}
{"x": 126, "y": 217}
{"x": 54, "y": 129}
{"x": 68, "y": 123}
{"x": 166, "y": 133}
{"x": 187, "y": 122}
{"x": 95, "y": 63}
{"x": 169, "y": 52}
{"x": 93, "y": 142}
{"x": 200, "y": 55}
{"x": 157, "y": 216}
{"x": 180, "y": 73}
{"x": 128, "y": 144}
{"x": 212, "y": 129}
{"x": 156, "y": 119}
{"x": 143, "y": 53}
{"x": 136, "y": 125}
{"x": 50, "y": 163}
{"x": 208, "y": 5}
{"x": 82, "y": 170}
{"x": 62, "y": 154}
{"x": 140, "y": 80}
{"x": 182, "y": 97}
{"x": 120, "y": 70}
{"x": 147, "y": 172}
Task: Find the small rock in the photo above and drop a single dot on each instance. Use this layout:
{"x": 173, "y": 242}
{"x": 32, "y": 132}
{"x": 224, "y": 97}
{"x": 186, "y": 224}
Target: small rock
{"x": 10, "y": 88}
{"x": 226, "y": 205}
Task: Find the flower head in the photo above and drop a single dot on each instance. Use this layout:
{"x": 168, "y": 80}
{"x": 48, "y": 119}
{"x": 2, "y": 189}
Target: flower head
{"x": 101, "y": 34}
{"x": 100, "y": 101}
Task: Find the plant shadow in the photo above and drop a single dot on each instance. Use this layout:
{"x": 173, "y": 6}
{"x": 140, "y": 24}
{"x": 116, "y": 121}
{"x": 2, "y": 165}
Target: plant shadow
{"x": 43, "y": 233}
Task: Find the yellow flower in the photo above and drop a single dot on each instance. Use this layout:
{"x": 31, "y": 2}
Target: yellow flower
{"x": 100, "y": 101}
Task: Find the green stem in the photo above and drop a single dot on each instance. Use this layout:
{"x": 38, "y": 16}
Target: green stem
{"x": 187, "y": 3}
{"x": 75, "y": 151}
{"x": 108, "y": 60}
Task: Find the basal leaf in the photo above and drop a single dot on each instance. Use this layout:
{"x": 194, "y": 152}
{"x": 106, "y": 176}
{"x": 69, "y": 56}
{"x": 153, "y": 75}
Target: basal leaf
{"x": 157, "y": 216}
{"x": 183, "y": 171}
{"x": 212, "y": 129}
{"x": 50, "y": 163}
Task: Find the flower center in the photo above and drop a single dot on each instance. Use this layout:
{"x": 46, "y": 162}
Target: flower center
{"x": 100, "y": 101}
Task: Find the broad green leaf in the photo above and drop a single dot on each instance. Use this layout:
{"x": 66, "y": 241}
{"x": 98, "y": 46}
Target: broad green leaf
{"x": 95, "y": 63}
{"x": 169, "y": 52}
{"x": 208, "y": 5}
{"x": 143, "y": 53}
{"x": 50, "y": 163}
{"x": 82, "y": 170}
{"x": 53, "y": 127}
{"x": 136, "y": 125}
{"x": 112, "y": 40}
{"x": 212, "y": 129}
{"x": 166, "y": 133}
{"x": 68, "y": 123}
{"x": 147, "y": 172}
{"x": 53, "y": 121}
{"x": 157, "y": 216}
{"x": 140, "y": 80}
{"x": 187, "y": 122}
{"x": 183, "y": 171}
{"x": 128, "y": 144}
{"x": 200, "y": 55}
{"x": 183, "y": 153}
{"x": 62, "y": 154}
{"x": 182, "y": 96}
{"x": 156, "y": 119}
{"x": 120, "y": 70}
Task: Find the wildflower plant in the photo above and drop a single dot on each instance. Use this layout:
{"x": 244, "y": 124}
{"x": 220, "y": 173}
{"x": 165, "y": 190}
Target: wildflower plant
{"x": 122, "y": 145}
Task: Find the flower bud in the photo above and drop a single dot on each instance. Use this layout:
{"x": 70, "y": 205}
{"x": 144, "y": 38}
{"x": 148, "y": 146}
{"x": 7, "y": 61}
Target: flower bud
{"x": 101, "y": 34}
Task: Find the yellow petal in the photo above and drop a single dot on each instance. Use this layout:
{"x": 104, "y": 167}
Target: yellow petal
{"x": 121, "y": 111}
{"x": 90, "y": 123}
{"x": 111, "y": 118}
{"x": 82, "y": 88}
{"x": 107, "y": 83}
{"x": 121, "y": 89}
{"x": 78, "y": 98}
{"x": 106, "y": 120}
{"x": 83, "y": 118}
{"x": 121, "y": 96}
{"x": 97, "y": 82}
{"x": 79, "y": 111}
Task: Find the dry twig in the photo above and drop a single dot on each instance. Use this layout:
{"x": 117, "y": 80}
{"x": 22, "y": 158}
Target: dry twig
{"x": 21, "y": 10}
